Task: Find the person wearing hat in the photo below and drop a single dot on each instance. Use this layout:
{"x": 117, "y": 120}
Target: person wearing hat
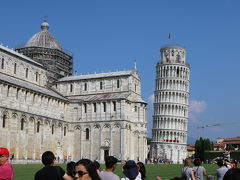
{"x": 6, "y": 169}
{"x": 130, "y": 170}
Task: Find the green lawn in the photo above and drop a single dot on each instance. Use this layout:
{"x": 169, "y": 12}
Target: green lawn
{"x": 26, "y": 172}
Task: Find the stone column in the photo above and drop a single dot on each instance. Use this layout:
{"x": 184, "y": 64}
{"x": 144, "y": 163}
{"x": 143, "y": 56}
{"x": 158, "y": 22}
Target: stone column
{"x": 111, "y": 144}
{"x": 122, "y": 139}
{"x": 100, "y": 144}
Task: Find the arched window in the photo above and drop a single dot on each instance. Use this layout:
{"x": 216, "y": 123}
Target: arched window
{"x": 114, "y": 105}
{"x": 22, "y": 124}
{"x": 4, "y": 121}
{"x": 85, "y": 108}
{"x": 53, "y": 129}
{"x": 36, "y": 76}
{"x": 71, "y": 88}
{"x": 94, "y": 107}
{"x": 87, "y": 134}
{"x": 8, "y": 89}
{"x": 26, "y": 75}
{"x": 15, "y": 68}
{"x": 17, "y": 94}
{"x": 64, "y": 131}
{"x": 85, "y": 86}
{"x": 101, "y": 85}
{"x": 177, "y": 72}
{"x": 38, "y": 126}
{"x": 118, "y": 83}
{"x": 2, "y": 65}
{"x": 104, "y": 106}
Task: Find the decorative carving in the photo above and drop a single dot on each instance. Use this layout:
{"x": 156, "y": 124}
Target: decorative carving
{"x": 116, "y": 125}
{"x": 77, "y": 127}
{"x": 106, "y": 126}
{"x": 96, "y": 126}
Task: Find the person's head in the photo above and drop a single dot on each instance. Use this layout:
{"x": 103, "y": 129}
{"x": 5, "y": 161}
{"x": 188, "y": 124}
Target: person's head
{"x": 71, "y": 169}
{"x": 220, "y": 162}
{"x": 232, "y": 174}
{"x": 141, "y": 169}
{"x": 234, "y": 162}
{"x": 197, "y": 162}
{"x": 110, "y": 162}
{"x": 4, "y": 155}
{"x": 85, "y": 170}
{"x": 130, "y": 169}
{"x": 187, "y": 162}
{"x": 48, "y": 158}
{"x": 97, "y": 165}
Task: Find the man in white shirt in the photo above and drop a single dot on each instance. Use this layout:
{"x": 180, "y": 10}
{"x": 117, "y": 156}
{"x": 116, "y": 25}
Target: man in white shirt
{"x": 221, "y": 170}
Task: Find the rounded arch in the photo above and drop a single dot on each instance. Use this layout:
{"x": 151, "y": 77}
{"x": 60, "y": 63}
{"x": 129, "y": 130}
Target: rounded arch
{"x": 14, "y": 115}
{"x": 31, "y": 119}
{"x": 47, "y": 122}
{"x": 87, "y": 134}
{"x": 65, "y": 131}
{"x": 116, "y": 126}
{"x": 77, "y": 127}
{"x": 38, "y": 126}
{"x": 5, "y": 112}
{"x": 4, "y": 120}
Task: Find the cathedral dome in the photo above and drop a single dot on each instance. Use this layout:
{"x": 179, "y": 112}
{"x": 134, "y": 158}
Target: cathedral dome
{"x": 44, "y": 39}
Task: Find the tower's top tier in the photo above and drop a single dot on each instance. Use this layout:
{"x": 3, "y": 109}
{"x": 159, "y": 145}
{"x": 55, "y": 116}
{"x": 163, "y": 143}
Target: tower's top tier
{"x": 173, "y": 54}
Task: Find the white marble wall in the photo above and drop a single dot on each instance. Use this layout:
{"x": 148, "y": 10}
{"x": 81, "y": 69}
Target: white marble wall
{"x": 62, "y": 124}
{"x": 22, "y": 68}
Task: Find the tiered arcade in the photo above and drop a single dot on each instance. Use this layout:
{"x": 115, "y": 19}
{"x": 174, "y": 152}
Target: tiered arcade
{"x": 170, "y": 119}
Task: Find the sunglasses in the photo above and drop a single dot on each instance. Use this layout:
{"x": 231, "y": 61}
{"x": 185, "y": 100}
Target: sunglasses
{"x": 80, "y": 173}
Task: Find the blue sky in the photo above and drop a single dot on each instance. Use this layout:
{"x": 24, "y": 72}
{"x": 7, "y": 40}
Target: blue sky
{"x": 110, "y": 35}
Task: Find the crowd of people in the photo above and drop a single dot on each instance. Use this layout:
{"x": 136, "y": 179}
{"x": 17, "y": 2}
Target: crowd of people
{"x": 85, "y": 169}
{"x": 226, "y": 170}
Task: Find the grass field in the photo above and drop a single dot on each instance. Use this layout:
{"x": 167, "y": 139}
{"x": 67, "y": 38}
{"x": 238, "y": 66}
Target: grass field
{"x": 26, "y": 172}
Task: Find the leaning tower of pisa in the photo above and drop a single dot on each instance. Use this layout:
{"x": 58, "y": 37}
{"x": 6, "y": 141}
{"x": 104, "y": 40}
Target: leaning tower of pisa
{"x": 170, "y": 118}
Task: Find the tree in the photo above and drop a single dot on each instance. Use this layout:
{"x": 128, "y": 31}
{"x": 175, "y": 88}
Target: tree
{"x": 201, "y": 146}
{"x": 230, "y": 147}
{"x": 197, "y": 149}
{"x": 149, "y": 140}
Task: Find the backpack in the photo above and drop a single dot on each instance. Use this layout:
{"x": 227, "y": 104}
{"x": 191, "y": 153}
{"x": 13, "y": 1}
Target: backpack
{"x": 184, "y": 176}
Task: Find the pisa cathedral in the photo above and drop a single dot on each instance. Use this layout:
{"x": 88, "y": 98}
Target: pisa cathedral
{"x": 170, "y": 119}
{"x": 44, "y": 107}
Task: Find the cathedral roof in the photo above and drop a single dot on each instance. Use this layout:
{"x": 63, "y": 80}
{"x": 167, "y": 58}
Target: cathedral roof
{"x": 19, "y": 55}
{"x": 99, "y": 75}
{"x": 106, "y": 96}
{"x": 44, "y": 39}
{"x": 30, "y": 86}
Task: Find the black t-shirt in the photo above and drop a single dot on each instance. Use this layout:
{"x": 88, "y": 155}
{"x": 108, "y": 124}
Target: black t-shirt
{"x": 50, "y": 173}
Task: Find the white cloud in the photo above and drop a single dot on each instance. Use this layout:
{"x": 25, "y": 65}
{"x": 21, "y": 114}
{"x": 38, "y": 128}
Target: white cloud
{"x": 197, "y": 106}
{"x": 151, "y": 99}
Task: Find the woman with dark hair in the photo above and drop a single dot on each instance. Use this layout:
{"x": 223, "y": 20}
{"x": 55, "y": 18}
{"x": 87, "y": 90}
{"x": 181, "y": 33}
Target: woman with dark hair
{"x": 71, "y": 169}
{"x": 199, "y": 171}
{"x": 232, "y": 174}
{"x": 86, "y": 170}
{"x": 97, "y": 166}
{"x": 141, "y": 170}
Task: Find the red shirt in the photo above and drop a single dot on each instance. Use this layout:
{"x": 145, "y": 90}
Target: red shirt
{"x": 6, "y": 172}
